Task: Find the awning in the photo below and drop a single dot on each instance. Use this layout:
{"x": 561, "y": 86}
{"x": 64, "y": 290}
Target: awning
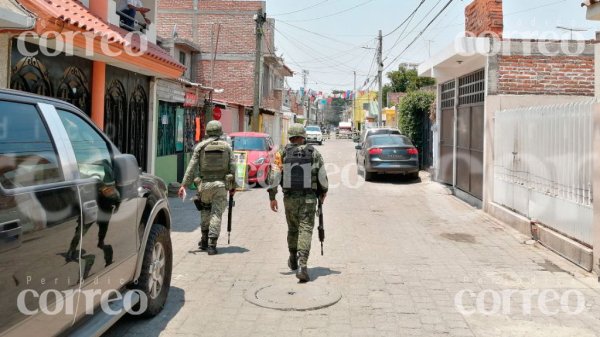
{"x": 13, "y": 16}
{"x": 465, "y": 55}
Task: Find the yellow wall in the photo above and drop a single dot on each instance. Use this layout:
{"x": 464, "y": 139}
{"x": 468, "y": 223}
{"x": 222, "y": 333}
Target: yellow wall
{"x": 390, "y": 117}
{"x": 359, "y": 114}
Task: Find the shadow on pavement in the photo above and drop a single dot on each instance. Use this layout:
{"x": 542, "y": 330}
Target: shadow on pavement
{"x": 137, "y": 325}
{"x": 232, "y": 250}
{"x": 317, "y": 272}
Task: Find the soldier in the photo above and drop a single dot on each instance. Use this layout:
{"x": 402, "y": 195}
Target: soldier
{"x": 214, "y": 158}
{"x": 300, "y": 170}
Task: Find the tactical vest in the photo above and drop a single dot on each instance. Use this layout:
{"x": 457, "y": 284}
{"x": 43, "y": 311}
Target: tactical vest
{"x": 214, "y": 161}
{"x": 297, "y": 169}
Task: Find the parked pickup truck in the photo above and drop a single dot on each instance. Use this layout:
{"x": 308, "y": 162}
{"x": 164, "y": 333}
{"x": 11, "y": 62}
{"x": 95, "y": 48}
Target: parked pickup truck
{"x": 84, "y": 235}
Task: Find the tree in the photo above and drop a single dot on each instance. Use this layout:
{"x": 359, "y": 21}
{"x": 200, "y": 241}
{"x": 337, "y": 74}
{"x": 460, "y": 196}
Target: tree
{"x": 405, "y": 80}
{"x": 413, "y": 110}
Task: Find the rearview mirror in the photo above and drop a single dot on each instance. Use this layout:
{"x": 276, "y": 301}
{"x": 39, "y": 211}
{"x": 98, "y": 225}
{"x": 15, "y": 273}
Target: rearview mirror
{"x": 127, "y": 170}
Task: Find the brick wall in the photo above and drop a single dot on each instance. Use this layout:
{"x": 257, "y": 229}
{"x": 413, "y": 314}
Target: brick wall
{"x": 484, "y": 18}
{"x": 234, "y": 68}
{"x": 546, "y": 75}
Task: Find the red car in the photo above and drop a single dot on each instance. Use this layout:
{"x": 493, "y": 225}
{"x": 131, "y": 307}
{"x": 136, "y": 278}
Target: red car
{"x": 261, "y": 150}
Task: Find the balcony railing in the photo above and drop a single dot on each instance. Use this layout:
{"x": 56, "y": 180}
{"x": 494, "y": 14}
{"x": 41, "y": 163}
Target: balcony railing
{"x": 131, "y": 24}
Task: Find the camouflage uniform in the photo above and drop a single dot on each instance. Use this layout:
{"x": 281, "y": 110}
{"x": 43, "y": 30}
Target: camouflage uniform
{"x": 300, "y": 205}
{"x": 211, "y": 192}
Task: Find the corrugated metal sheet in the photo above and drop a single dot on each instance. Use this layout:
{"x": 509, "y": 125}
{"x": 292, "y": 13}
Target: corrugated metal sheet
{"x": 543, "y": 165}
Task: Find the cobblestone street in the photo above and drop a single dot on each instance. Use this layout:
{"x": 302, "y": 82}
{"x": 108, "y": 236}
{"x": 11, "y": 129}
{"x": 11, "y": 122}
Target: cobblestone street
{"x": 398, "y": 251}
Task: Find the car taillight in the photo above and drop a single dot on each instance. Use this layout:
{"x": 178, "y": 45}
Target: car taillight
{"x": 375, "y": 151}
{"x": 412, "y": 151}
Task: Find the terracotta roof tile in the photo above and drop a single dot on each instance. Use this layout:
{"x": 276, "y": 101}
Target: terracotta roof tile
{"x": 75, "y": 13}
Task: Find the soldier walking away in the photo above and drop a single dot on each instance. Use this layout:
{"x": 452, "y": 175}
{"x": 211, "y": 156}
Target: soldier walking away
{"x": 214, "y": 159}
{"x": 300, "y": 171}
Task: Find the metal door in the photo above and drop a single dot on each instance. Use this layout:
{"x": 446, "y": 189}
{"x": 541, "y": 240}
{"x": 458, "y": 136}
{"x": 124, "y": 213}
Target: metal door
{"x": 446, "y": 171}
{"x": 470, "y": 124}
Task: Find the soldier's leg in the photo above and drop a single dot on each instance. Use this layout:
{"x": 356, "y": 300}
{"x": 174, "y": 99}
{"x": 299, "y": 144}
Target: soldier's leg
{"x": 204, "y": 223}
{"x": 305, "y": 229}
{"x": 218, "y": 206}
{"x": 291, "y": 215}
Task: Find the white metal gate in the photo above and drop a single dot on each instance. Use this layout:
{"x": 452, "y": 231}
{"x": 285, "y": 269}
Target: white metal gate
{"x": 543, "y": 165}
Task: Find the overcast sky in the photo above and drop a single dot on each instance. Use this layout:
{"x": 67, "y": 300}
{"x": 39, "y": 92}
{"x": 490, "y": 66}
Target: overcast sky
{"x": 349, "y": 29}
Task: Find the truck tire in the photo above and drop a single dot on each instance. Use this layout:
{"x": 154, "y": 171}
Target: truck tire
{"x": 158, "y": 253}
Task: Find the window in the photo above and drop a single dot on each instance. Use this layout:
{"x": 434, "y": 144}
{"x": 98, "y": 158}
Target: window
{"x": 249, "y": 144}
{"x": 27, "y": 155}
{"x": 182, "y": 57}
{"x": 390, "y": 140}
{"x": 91, "y": 150}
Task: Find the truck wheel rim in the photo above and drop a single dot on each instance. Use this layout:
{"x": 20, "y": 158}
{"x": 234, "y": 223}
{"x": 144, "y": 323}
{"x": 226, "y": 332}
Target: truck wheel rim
{"x": 157, "y": 270}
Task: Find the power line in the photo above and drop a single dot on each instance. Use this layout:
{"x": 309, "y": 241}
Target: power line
{"x": 420, "y": 34}
{"x": 302, "y": 9}
{"x": 405, "y": 20}
{"x": 336, "y": 13}
{"x": 315, "y": 33}
{"x": 402, "y": 36}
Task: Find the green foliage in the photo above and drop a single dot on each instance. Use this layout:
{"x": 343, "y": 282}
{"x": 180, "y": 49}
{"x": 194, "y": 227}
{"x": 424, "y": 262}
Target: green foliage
{"x": 407, "y": 80}
{"x": 413, "y": 110}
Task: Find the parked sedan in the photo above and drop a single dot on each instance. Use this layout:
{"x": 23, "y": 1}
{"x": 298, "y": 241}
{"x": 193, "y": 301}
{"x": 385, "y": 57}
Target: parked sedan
{"x": 388, "y": 154}
{"x": 260, "y": 148}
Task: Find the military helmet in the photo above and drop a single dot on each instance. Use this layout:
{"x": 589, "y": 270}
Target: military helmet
{"x": 214, "y": 129}
{"x": 296, "y": 130}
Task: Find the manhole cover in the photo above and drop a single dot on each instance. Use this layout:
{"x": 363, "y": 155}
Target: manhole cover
{"x": 297, "y": 297}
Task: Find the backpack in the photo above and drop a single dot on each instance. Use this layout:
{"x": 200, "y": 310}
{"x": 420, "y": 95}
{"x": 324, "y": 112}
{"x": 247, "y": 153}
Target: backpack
{"x": 297, "y": 168}
{"x": 214, "y": 160}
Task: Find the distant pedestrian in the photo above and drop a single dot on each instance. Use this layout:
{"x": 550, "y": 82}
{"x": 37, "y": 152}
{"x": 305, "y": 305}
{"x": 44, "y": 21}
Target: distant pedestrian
{"x": 214, "y": 158}
{"x": 300, "y": 170}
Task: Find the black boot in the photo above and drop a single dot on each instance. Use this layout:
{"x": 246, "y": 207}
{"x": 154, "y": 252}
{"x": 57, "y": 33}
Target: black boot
{"x": 203, "y": 244}
{"x": 302, "y": 274}
{"x": 212, "y": 247}
{"x": 293, "y": 260}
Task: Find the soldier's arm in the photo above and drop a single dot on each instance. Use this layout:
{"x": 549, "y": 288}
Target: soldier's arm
{"x": 232, "y": 168}
{"x": 275, "y": 175}
{"x": 322, "y": 181}
{"x": 188, "y": 178}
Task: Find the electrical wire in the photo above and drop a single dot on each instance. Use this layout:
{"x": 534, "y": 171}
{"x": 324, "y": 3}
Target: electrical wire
{"x": 302, "y": 9}
{"x": 315, "y": 33}
{"x": 405, "y": 20}
{"x": 336, "y": 13}
{"x": 420, "y": 34}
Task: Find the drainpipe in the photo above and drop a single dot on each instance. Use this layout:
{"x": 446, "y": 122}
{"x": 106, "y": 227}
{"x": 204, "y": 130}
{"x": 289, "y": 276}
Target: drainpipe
{"x": 99, "y": 9}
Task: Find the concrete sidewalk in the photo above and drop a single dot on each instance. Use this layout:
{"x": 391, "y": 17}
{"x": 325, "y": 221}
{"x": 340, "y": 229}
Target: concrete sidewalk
{"x": 399, "y": 253}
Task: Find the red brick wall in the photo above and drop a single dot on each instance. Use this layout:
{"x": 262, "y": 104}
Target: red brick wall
{"x": 235, "y": 77}
{"x": 546, "y": 75}
{"x": 483, "y": 17}
{"x": 236, "y": 39}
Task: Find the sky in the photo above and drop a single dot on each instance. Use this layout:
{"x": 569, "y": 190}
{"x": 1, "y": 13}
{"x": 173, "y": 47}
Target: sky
{"x": 333, "y": 38}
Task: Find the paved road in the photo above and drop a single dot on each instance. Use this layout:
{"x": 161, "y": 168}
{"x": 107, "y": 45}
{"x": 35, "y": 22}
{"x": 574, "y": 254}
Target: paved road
{"x": 398, "y": 251}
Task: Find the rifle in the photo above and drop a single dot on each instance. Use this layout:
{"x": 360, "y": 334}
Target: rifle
{"x": 229, "y": 216}
{"x": 321, "y": 228}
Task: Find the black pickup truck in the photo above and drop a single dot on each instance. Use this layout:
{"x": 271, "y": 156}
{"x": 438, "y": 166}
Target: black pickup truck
{"x": 84, "y": 234}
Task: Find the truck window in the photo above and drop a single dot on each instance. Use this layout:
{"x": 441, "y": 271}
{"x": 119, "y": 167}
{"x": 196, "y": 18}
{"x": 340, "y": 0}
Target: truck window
{"x": 27, "y": 154}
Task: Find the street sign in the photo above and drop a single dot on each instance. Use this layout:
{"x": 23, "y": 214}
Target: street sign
{"x": 217, "y": 113}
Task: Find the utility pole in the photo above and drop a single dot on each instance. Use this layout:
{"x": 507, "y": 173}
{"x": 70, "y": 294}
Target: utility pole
{"x": 305, "y": 106}
{"x": 260, "y": 19}
{"x": 354, "y": 99}
{"x": 380, "y": 77}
